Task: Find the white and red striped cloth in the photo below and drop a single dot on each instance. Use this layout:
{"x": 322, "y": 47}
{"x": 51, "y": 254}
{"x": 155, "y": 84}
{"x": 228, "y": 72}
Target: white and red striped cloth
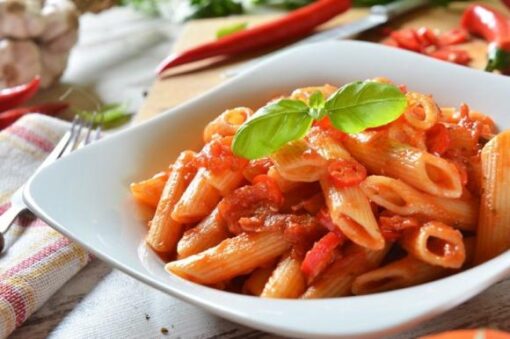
{"x": 39, "y": 260}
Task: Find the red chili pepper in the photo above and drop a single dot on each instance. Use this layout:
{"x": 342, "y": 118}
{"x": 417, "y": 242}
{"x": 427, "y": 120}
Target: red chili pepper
{"x": 11, "y": 97}
{"x": 494, "y": 27}
{"x": 51, "y": 108}
{"x": 321, "y": 255}
{"x": 295, "y": 25}
{"x": 427, "y": 37}
{"x": 346, "y": 173}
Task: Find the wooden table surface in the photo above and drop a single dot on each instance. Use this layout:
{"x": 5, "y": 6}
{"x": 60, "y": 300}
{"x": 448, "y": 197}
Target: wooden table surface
{"x": 100, "y": 302}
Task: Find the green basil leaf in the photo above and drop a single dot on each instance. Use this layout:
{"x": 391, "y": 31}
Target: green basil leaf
{"x": 231, "y": 29}
{"x": 271, "y": 127}
{"x": 361, "y": 105}
{"x": 316, "y": 103}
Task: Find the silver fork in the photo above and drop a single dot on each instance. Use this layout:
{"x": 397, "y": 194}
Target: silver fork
{"x": 71, "y": 140}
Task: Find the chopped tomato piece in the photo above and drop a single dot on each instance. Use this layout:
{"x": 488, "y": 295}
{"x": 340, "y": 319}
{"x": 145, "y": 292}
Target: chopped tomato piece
{"x": 392, "y": 227}
{"x": 321, "y": 255}
{"x": 326, "y": 125}
{"x": 438, "y": 139}
{"x": 407, "y": 38}
{"x": 217, "y": 156}
{"x": 273, "y": 191}
{"x": 453, "y": 37}
{"x": 346, "y": 173}
{"x": 257, "y": 167}
{"x": 249, "y": 208}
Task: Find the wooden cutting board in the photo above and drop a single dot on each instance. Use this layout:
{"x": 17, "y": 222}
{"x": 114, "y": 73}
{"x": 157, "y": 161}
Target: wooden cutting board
{"x": 193, "y": 80}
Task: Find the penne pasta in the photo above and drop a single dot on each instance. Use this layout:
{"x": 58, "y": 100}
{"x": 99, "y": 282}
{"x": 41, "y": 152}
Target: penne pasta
{"x": 419, "y": 169}
{"x": 404, "y": 272}
{"x": 165, "y": 231}
{"x": 296, "y": 161}
{"x": 224, "y": 181}
{"x": 350, "y": 210}
{"x": 284, "y": 184}
{"x": 400, "y": 198}
{"x": 286, "y": 281}
{"x": 493, "y": 235}
{"x": 149, "y": 191}
{"x": 435, "y": 243}
{"x": 316, "y": 217}
{"x": 337, "y": 280}
{"x": 208, "y": 233}
{"x": 232, "y": 257}
{"x": 304, "y": 94}
{"x": 227, "y": 123}
{"x": 198, "y": 201}
{"x": 254, "y": 285}
{"x": 422, "y": 112}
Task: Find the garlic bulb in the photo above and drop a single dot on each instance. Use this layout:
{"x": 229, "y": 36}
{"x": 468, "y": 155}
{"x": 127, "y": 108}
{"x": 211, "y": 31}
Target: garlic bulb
{"x": 36, "y": 37}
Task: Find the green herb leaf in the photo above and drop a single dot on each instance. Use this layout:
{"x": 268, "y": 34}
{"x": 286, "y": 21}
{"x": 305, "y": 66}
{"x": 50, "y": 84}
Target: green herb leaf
{"x": 214, "y": 8}
{"x": 317, "y": 103}
{"x": 361, "y": 105}
{"x": 109, "y": 116}
{"x": 230, "y": 29}
{"x": 271, "y": 127}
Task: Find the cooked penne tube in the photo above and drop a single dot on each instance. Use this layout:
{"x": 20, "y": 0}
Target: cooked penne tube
{"x": 149, "y": 191}
{"x": 405, "y": 272}
{"x": 254, "y": 285}
{"x": 296, "y": 161}
{"x": 337, "y": 280}
{"x": 350, "y": 210}
{"x": 208, "y": 233}
{"x": 493, "y": 235}
{"x": 198, "y": 201}
{"x": 225, "y": 181}
{"x": 400, "y": 198}
{"x": 304, "y": 93}
{"x": 227, "y": 123}
{"x": 284, "y": 184}
{"x": 420, "y": 169}
{"x": 164, "y": 230}
{"x": 435, "y": 243}
{"x": 422, "y": 113}
{"x": 286, "y": 281}
{"x": 232, "y": 257}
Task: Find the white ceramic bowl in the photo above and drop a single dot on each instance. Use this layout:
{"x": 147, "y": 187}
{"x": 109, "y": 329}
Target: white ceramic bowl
{"x": 86, "y": 195}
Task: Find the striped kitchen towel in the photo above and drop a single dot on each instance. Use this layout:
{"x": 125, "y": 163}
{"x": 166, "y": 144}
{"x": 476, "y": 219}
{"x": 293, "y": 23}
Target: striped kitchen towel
{"x": 39, "y": 260}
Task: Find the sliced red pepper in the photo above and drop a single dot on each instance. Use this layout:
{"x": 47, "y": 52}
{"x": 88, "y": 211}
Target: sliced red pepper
{"x": 297, "y": 24}
{"x": 346, "y": 173}
{"x": 10, "y": 116}
{"x": 321, "y": 255}
{"x": 494, "y": 27}
{"x": 438, "y": 139}
{"x": 14, "y": 96}
{"x": 455, "y": 55}
{"x": 453, "y": 37}
{"x": 407, "y": 38}
{"x": 426, "y": 37}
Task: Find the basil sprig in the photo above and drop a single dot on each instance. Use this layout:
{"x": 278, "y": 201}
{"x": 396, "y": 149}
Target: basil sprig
{"x": 352, "y": 109}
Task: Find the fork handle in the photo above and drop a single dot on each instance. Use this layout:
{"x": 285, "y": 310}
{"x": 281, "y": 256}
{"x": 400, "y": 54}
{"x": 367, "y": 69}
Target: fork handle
{"x": 8, "y": 217}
